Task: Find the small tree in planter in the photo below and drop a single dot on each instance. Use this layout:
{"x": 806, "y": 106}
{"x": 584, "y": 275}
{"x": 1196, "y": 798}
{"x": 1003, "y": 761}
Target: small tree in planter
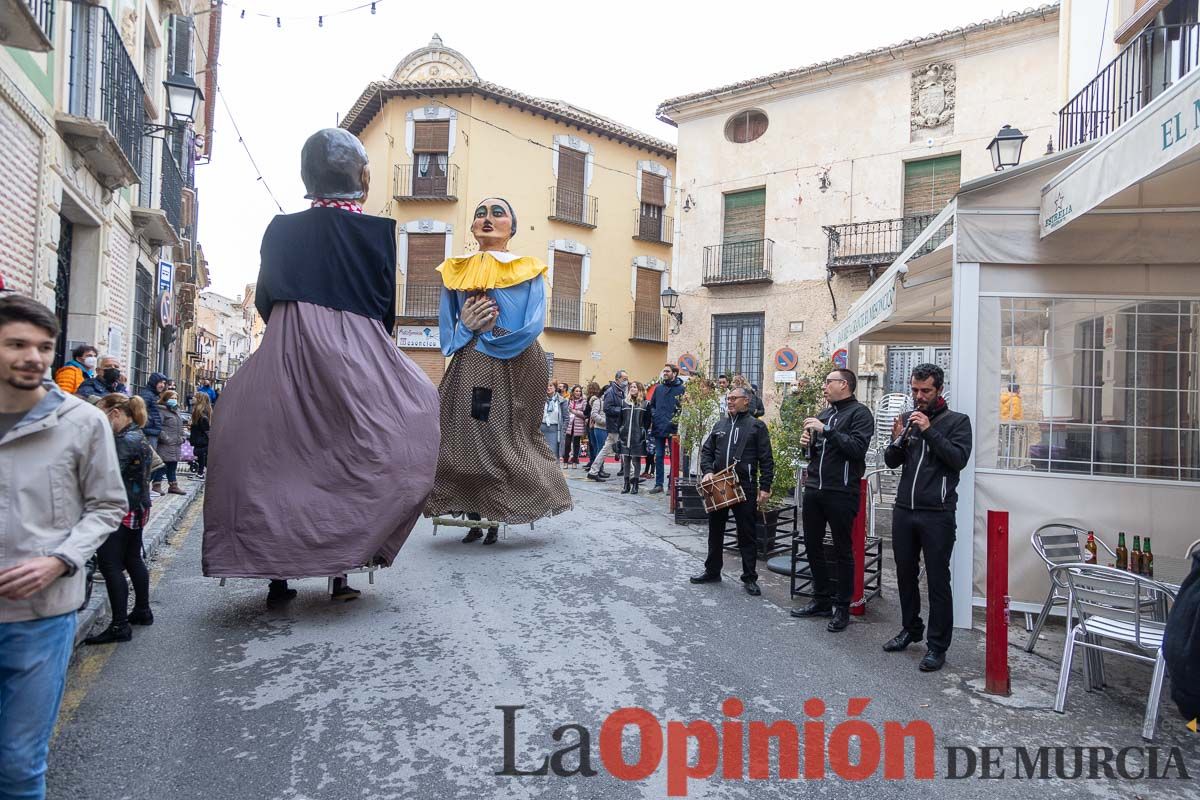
{"x": 785, "y": 433}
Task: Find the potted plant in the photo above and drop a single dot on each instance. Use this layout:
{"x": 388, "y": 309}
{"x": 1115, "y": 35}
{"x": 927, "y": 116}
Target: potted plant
{"x": 801, "y": 401}
{"x": 698, "y": 412}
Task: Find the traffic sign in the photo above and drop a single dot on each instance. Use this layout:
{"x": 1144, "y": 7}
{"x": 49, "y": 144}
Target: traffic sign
{"x": 841, "y": 358}
{"x": 688, "y": 364}
{"x": 786, "y": 359}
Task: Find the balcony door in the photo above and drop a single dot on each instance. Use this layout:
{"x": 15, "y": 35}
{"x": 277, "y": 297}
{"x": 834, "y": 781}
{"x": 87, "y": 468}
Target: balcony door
{"x": 566, "y": 293}
{"x": 743, "y": 233}
{"x": 737, "y": 346}
{"x": 647, "y": 305}
{"x": 422, "y": 285}
{"x": 653, "y": 202}
{"x": 431, "y": 148}
{"x": 568, "y": 196}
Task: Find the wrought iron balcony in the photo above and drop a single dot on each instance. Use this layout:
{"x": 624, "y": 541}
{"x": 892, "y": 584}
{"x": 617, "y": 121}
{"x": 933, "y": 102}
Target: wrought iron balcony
{"x": 422, "y": 300}
{"x": 28, "y": 24}
{"x": 648, "y": 326}
{"x": 436, "y": 180}
{"x": 573, "y": 207}
{"x": 570, "y": 315}
{"x": 879, "y": 242}
{"x": 738, "y": 262}
{"x": 1157, "y": 58}
{"x": 659, "y": 230}
{"x": 106, "y": 117}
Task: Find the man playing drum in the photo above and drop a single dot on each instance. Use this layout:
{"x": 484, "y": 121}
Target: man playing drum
{"x": 741, "y": 441}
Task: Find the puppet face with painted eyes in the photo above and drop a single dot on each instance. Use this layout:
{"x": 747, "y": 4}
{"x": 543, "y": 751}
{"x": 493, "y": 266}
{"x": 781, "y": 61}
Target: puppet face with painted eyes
{"x": 494, "y": 224}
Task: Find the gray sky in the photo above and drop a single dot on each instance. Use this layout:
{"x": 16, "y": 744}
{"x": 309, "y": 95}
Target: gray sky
{"x": 623, "y": 59}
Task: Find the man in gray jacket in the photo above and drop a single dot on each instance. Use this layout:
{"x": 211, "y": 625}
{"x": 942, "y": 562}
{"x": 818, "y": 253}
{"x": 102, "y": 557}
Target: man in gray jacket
{"x": 60, "y": 496}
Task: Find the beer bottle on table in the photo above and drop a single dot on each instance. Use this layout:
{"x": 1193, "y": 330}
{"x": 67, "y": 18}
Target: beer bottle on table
{"x": 1122, "y": 553}
{"x": 1089, "y": 548}
{"x": 1148, "y": 560}
{"x": 1135, "y": 557}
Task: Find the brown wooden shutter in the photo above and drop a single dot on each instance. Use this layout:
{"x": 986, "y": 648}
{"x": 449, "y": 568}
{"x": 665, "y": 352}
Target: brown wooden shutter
{"x": 431, "y": 137}
{"x": 430, "y": 360}
{"x": 930, "y": 184}
{"x": 646, "y": 298}
{"x": 745, "y": 216}
{"x": 652, "y": 189}
{"x": 566, "y": 369}
{"x": 571, "y": 166}
{"x": 568, "y": 277}
{"x": 425, "y": 252}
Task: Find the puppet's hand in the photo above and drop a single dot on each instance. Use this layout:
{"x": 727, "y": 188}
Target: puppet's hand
{"x": 479, "y": 313}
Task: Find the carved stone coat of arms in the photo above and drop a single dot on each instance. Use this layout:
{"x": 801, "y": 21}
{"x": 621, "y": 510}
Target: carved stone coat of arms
{"x": 932, "y": 102}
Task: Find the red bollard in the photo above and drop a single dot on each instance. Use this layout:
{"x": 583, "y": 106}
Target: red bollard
{"x": 996, "y": 660}
{"x": 858, "y": 541}
{"x": 674, "y": 473}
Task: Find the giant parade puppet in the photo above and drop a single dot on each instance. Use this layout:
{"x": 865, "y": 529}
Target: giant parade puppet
{"x": 494, "y": 463}
{"x": 324, "y": 443}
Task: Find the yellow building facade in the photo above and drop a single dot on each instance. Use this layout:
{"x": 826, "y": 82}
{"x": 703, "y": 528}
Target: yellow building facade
{"x": 593, "y": 199}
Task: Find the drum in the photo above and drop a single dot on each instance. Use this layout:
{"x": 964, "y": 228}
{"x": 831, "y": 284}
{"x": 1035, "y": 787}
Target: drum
{"x": 722, "y": 490}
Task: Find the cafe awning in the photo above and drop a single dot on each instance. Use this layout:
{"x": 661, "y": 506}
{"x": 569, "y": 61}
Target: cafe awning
{"x": 1162, "y": 137}
{"x": 905, "y": 288}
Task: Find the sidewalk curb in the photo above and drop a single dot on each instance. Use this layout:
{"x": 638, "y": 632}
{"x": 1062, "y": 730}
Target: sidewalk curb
{"x": 158, "y": 531}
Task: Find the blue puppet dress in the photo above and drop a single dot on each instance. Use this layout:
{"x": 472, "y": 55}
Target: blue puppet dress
{"x": 493, "y": 459}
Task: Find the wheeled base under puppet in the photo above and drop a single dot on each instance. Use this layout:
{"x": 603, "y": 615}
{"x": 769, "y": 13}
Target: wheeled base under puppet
{"x": 463, "y": 522}
{"x": 369, "y": 569}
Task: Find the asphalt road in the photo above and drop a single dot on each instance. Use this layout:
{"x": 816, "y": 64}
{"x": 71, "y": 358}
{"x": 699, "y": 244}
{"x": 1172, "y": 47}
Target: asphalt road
{"x": 395, "y": 695}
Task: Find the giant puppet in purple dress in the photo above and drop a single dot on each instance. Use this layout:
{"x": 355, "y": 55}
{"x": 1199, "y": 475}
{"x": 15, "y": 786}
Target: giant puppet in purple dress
{"x": 325, "y": 443}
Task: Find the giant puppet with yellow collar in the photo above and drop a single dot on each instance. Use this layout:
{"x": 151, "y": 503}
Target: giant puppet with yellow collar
{"x": 494, "y": 463}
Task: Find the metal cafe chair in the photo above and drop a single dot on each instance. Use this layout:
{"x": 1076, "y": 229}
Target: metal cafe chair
{"x": 1113, "y": 605}
{"x": 1057, "y": 543}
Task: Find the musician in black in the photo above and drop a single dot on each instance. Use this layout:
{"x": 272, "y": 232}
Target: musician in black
{"x": 737, "y": 437}
{"x": 933, "y": 443}
{"x": 837, "y": 441}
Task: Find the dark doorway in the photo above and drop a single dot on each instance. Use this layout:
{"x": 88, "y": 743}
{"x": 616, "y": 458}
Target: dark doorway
{"x": 62, "y": 290}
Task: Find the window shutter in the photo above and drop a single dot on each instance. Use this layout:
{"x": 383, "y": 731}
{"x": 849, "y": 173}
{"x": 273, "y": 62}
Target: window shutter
{"x": 568, "y": 277}
{"x": 566, "y": 370}
{"x": 571, "y": 165}
{"x": 425, "y": 252}
{"x": 930, "y": 184}
{"x": 179, "y": 50}
{"x": 652, "y": 189}
{"x": 745, "y": 216}
{"x": 431, "y": 137}
{"x": 646, "y": 294}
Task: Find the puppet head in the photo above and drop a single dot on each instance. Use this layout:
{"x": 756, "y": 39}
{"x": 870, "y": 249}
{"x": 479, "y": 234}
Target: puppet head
{"x": 495, "y": 222}
{"x": 333, "y": 165}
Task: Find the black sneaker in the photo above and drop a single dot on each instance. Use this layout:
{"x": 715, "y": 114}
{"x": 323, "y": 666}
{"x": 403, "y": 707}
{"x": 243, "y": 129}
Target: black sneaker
{"x": 492, "y": 535}
{"x": 343, "y": 591}
{"x": 598, "y": 477}
{"x": 141, "y": 616}
{"x": 113, "y": 633}
{"x": 474, "y": 535}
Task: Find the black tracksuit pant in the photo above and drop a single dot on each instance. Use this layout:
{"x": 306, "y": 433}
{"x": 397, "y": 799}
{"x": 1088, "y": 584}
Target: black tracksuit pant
{"x": 746, "y": 516}
{"x": 931, "y": 533}
{"x": 121, "y": 553}
{"x": 838, "y": 510}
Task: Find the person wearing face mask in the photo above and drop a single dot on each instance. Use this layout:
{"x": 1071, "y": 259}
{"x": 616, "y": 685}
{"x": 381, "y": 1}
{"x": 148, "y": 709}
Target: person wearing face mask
{"x": 493, "y": 461}
{"x": 331, "y": 479}
{"x": 170, "y": 439}
{"x": 614, "y": 402}
{"x": 106, "y": 381}
{"x": 81, "y": 367}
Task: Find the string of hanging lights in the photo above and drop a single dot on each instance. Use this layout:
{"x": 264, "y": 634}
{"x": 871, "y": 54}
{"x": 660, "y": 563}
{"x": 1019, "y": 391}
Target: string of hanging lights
{"x": 250, "y": 13}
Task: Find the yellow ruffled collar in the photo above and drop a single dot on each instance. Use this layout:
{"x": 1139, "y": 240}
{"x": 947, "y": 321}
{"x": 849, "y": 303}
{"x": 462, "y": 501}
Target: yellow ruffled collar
{"x": 489, "y": 270}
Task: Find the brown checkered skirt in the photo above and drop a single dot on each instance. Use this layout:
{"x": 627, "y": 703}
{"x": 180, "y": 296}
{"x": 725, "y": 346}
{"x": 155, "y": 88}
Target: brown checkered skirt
{"x": 501, "y": 468}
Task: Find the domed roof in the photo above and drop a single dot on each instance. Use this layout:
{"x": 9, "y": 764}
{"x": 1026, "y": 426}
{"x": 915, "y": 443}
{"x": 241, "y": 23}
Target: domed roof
{"x": 434, "y": 62}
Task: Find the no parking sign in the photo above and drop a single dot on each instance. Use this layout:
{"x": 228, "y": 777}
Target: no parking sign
{"x": 688, "y": 364}
{"x": 786, "y": 359}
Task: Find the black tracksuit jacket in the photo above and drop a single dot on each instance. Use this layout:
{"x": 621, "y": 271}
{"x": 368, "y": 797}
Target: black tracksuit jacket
{"x": 837, "y": 456}
{"x": 932, "y": 461}
{"x": 748, "y": 434}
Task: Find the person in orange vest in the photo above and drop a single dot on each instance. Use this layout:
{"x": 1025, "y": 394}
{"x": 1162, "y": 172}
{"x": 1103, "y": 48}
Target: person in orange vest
{"x": 1010, "y": 404}
{"x": 81, "y": 367}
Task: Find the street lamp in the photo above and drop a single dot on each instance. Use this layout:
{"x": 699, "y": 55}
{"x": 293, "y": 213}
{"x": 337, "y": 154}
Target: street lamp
{"x": 182, "y": 96}
{"x": 1005, "y": 147}
{"x": 670, "y": 301}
